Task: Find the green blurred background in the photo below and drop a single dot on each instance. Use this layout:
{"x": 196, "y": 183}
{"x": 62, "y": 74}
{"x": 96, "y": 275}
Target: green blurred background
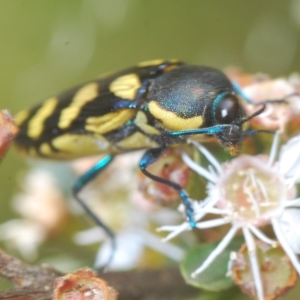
{"x": 48, "y": 46}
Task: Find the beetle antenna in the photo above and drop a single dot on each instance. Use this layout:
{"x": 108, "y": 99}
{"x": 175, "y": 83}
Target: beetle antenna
{"x": 258, "y": 112}
{"x": 251, "y": 132}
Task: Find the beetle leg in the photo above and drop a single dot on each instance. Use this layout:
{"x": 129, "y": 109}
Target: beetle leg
{"x": 151, "y": 157}
{"x": 80, "y": 184}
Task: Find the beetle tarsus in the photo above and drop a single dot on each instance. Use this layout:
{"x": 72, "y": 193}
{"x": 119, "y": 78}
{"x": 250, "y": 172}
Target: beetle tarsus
{"x": 150, "y": 157}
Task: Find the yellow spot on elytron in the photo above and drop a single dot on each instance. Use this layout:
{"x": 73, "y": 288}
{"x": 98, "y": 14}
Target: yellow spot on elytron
{"x": 85, "y": 94}
{"x": 45, "y": 149}
{"x": 171, "y": 121}
{"x": 109, "y": 121}
{"x": 149, "y": 63}
{"x": 36, "y": 124}
{"x": 72, "y": 146}
{"x": 21, "y": 117}
{"x": 141, "y": 121}
{"x": 126, "y": 86}
{"x": 137, "y": 141}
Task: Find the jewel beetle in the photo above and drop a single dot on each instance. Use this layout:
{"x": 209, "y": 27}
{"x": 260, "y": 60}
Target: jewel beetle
{"x": 151, "y": 106}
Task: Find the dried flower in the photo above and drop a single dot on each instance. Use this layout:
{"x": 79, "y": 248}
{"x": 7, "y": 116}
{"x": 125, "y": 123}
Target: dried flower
{"x": 83, "y": 284}
{"x": 43, "y": 211}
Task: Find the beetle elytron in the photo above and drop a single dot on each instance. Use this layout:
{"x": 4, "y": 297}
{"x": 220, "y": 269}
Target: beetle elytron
{"x": 151, "y": 106}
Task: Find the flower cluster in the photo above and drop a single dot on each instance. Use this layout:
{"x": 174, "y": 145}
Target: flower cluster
{"x": 255, "y": 195}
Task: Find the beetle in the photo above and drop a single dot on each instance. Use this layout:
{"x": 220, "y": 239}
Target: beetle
{"x": 151, "y": 106}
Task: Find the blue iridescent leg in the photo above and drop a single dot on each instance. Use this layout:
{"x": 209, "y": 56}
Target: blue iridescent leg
{"x": 149, "y": 158}
{"x": 80, "y": 184}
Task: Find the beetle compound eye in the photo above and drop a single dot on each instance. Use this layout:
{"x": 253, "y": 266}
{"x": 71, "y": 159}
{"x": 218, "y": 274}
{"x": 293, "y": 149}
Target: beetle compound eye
{"x": 227, "y": 110}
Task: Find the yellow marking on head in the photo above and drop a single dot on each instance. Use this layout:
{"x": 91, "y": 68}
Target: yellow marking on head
{"x": 141, "y": 121}
{"x": 137, "y": 141}
{"x": 72, "y": 146}
{"x": 126, "y": 86}
{"x": 36, "y": 124}
{"x": 21, "y": 116}
{"x": 171, "y": 121}
{"x": 149, "y": 63}
{"x": 85, "y": 94}
{"x": 109, "y": 121}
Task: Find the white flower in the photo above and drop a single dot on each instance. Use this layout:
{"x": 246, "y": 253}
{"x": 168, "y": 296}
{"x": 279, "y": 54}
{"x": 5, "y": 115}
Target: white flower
{"x": 126, "y": 211}
{"x": 131, "y": 242}
{"x": 248, "y": 193}
{"x": 42, "y": 209}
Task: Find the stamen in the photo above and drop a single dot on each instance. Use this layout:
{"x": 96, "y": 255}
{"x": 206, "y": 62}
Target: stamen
{"x": 254, "y": 203}
{"x": 262, "y": 190}
{"x": 252, "y": 178}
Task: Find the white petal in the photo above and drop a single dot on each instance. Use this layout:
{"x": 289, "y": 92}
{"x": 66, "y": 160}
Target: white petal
{"x": 260, "y": 235}
{"x": 221, "y": 246}
{"x": 175, "y": 231}
{"x": 170, "y": 250}
{"x": 250, "y": 242}
{"x": 290, "y": 224}
{"x": 90, "y": 236}
{"x": 208, "y": 156}
{"x": 285, "y": 245}
{"x": 24, "y": 235}
{"x": 292, "y": 203}
{"x": 212, "y": 223}
{"x": 197, "y": 168}
{"x": 129, "y": 248}
{"x": 289, "y": 158}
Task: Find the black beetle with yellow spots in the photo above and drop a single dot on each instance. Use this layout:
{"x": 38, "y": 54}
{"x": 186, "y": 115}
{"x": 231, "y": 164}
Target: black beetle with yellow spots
{"x": 151, "y": 106}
